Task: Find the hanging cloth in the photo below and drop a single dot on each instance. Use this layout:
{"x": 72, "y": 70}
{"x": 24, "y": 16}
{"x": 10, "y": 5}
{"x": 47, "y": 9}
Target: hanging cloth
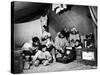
{"x": 93, "y": 12}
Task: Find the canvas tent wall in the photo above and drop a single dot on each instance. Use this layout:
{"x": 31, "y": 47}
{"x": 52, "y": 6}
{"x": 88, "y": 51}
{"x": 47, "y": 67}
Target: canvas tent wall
{"x": 77, "y": 16}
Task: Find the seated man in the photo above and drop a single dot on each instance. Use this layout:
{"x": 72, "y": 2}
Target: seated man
{"x": 61, "y": 42}
{"x": 30, "y": 49}
{"x": 43, "y": 57}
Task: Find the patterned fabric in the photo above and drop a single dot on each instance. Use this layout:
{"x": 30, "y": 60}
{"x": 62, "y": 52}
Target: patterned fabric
{"x": 61, "y": 43}
{"x": 74, "y": 37}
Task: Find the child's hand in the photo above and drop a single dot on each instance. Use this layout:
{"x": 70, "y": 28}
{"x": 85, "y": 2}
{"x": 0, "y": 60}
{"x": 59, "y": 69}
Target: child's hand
{"x": 30, "y": 48}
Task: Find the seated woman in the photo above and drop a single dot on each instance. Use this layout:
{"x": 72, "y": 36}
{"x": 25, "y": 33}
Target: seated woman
{"x": 75, "y": 39}
{"x": 74, "y": 35}
{"x": 43, "y": 57}
{"x": 46, "y": 40}
{"x": 30, "y": 49}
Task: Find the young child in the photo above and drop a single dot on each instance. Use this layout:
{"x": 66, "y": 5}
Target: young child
{"x": 44, "y": 57}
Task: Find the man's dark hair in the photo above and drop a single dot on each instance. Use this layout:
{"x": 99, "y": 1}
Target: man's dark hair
{"x": 62, "y": 33}
{"x": 43, "y": 46}
{"x": 35, "y": 39}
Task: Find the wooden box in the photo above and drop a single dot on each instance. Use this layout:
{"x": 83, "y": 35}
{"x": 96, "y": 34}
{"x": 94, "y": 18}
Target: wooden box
{"x": 89, "y": 56}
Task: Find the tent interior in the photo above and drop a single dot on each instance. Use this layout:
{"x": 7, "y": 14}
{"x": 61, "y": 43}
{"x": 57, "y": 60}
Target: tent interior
{"x": 27, "y": 16}
{"x": 27, "y": 21}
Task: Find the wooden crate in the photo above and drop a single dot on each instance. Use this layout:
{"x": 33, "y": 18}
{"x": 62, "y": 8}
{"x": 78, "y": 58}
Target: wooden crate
{"x": 18, "y": 62}
{"x": 87, "y": 56}
{"x": 91, "y": 53}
